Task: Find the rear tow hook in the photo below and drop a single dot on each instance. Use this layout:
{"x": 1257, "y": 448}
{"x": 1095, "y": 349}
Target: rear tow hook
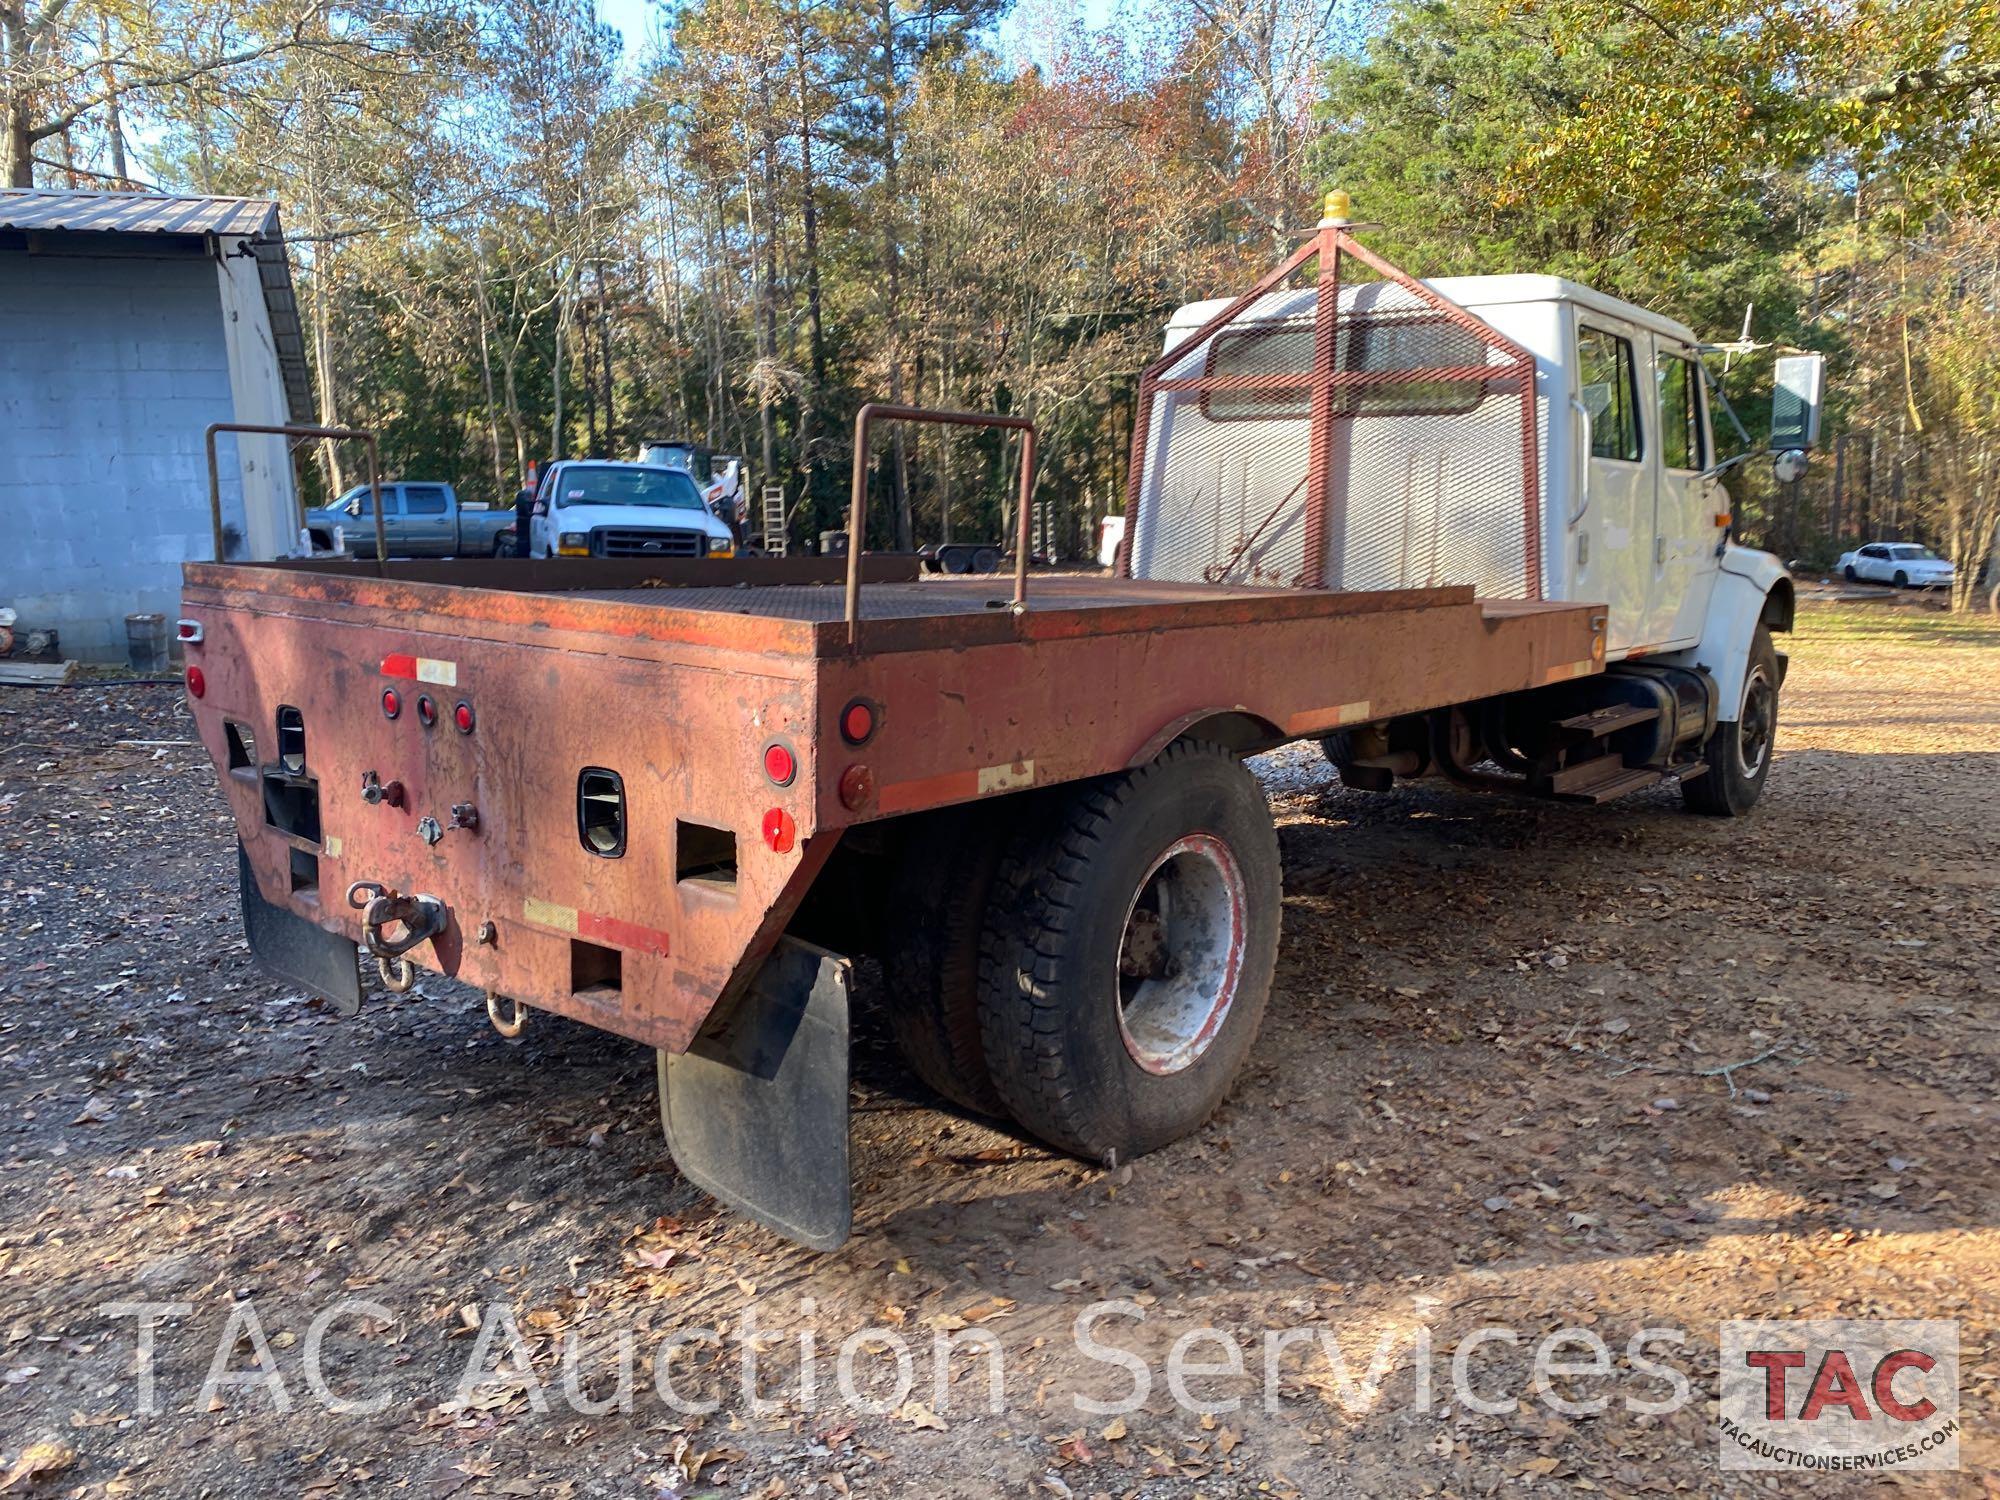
{"x": 422, "y": 917}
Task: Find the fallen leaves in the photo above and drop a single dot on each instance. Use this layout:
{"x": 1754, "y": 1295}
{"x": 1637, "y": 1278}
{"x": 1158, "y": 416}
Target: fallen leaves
{"x": 37, "y": 1461}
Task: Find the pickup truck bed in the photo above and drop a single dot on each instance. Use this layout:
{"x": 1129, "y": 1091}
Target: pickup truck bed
{"x": 691, "y": 695}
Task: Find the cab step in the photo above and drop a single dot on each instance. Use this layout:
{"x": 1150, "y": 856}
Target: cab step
{"x": 1582, "y": 728}
{"x": 1600, "y": 779}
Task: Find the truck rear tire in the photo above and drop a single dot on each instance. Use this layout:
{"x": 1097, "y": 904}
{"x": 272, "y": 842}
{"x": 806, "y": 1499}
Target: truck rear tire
{"x": 930, "y": 962}
{"x": 1738, "y": 754}
{"x": 1129, "y": 954}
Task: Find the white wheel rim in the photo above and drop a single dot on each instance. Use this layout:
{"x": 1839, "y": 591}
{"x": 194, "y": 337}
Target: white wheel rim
{"x": 1180, "y": 954}
{"x": 1754, "y": 724}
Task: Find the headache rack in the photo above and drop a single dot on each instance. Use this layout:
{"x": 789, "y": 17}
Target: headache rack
{"x": 1348, "y": 430}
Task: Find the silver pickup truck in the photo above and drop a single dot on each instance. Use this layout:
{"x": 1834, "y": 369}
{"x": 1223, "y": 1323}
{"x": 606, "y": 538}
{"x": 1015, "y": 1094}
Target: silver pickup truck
{"x": 421, "y": 520}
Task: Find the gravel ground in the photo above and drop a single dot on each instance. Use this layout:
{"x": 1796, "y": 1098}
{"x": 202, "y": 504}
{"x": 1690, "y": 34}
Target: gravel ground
{"x": 1612, "y": 1069}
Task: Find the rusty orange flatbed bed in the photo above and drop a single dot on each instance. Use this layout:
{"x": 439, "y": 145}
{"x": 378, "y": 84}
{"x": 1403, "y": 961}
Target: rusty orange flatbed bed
{"x": 693, "y": 683}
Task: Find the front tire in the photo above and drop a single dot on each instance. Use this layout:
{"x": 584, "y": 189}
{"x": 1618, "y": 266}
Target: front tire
{"x": 1738, "y": 754}
{"x": 1129, "y": 954}
{"x": 1902, "y": 579}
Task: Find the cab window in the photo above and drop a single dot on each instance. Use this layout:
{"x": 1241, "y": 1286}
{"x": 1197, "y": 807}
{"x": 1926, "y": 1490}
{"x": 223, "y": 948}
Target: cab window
{"x": 1608, "y": 378}
{"x": 1681, "y": 445}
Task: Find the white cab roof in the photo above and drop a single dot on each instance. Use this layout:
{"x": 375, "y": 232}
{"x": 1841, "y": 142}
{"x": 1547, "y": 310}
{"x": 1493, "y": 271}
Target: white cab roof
{"x": 1470, "y": 292}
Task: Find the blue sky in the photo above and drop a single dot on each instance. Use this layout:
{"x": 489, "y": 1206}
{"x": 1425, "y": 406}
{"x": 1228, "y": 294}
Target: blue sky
{"x": 631, "y": 17}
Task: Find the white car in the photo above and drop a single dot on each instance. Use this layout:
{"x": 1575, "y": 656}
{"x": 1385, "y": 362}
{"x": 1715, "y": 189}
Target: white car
{"x": 1904, "y": 564}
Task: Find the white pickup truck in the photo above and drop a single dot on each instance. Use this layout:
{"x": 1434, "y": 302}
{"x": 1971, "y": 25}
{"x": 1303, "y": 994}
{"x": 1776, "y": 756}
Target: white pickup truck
{"x": 1623, "y": 504}
{"x": 594, "y": 508}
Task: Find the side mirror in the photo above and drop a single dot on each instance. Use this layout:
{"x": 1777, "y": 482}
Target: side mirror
{"x": 1795, "y": 402}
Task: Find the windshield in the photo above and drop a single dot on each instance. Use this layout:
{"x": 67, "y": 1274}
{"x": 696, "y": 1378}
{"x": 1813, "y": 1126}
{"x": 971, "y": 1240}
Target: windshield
{"x": 627, "y": 484}
{"x": 1912, "y": 554}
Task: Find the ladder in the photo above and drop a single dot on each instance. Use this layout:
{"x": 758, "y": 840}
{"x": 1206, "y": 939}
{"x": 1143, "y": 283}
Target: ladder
{"x": 775, "y": 520}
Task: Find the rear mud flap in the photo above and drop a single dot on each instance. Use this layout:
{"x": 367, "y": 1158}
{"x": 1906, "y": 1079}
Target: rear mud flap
{"x": 756, "y": 1108}
{"x": 289, "y": 946}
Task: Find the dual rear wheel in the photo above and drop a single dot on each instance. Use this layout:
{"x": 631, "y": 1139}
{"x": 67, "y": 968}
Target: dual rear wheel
{"x": 1093, "y": 962}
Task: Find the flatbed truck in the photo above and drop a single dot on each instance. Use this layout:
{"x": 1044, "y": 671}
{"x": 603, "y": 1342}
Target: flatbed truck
{"x": 677, "y": 800}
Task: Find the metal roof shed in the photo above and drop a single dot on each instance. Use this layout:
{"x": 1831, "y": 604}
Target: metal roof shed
{"x": 128, "y": 323}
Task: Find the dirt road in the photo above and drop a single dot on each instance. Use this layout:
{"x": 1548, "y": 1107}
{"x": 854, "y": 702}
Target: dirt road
{"x": 1527, "y": 1068}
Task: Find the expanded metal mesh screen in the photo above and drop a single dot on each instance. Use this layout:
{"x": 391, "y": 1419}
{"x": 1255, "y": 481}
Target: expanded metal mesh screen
{"x": 1385, "y": 440}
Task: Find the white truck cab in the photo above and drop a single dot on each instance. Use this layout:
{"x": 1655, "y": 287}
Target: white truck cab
{"x": 1434, "y": 464}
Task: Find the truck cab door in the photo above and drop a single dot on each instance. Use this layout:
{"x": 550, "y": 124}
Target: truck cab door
{"x": 361, "y": 527}
{"x": 541, "y": 527}
{"x": 1685, "y": 531}
{"x": 1611, "y": 528}
{"x": 430, "y": 527}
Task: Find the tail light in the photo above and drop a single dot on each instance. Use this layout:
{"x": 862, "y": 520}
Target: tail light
{"x": 392, "y": 703}
{"x": 197, "y": 684}
{"x": 462, "y": 717}
{"x": 188, "y": 631}
{"x": 780, "y": 764}
{"x": 857, "y": 721}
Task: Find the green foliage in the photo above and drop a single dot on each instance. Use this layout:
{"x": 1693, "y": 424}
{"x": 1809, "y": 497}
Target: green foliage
{"x": 1459, "y": 128}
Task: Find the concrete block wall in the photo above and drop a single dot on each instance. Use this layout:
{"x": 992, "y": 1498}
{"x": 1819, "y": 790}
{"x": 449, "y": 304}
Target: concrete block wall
{"x": 110, "y": 369}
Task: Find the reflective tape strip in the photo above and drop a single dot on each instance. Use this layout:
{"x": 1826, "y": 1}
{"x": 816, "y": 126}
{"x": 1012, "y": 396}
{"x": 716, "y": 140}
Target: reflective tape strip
{"x": 1569, "y": 670}
{"x": 1337, "y": 717}
{"x": 548, "y": 914}
{"x": 610, "y": 931}
{"x": 955, "y": 786}
{"x": 422, "y": 668}
{"x": 1006, "y": 778}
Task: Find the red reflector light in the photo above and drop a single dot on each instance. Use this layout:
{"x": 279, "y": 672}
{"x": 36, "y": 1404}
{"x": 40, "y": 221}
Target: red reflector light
{"x": 779, "y": 764}
{"x": 197, "y": 684}
{"x": 857, "y": 722}
{"x": 462, "y": 717}
{"x": 392, "y": 703}
{"x": 427, "y": 711}
{"x": 780, "y": 832}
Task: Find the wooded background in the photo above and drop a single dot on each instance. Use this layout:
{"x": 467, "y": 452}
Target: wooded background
{"x": 518, "y": 237}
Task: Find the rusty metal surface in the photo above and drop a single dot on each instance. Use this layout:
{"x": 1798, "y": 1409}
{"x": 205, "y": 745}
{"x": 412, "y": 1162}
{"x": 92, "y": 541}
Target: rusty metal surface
{"x": 961, "y": 722}
{"x": 857, "y": 517}
{"x": 557, "y": 575}
{"x": 921, "y": 600}
{"x": 687, "y": 737}
{"x": 325, "y": 434}
{"x": 684, "y": 702}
